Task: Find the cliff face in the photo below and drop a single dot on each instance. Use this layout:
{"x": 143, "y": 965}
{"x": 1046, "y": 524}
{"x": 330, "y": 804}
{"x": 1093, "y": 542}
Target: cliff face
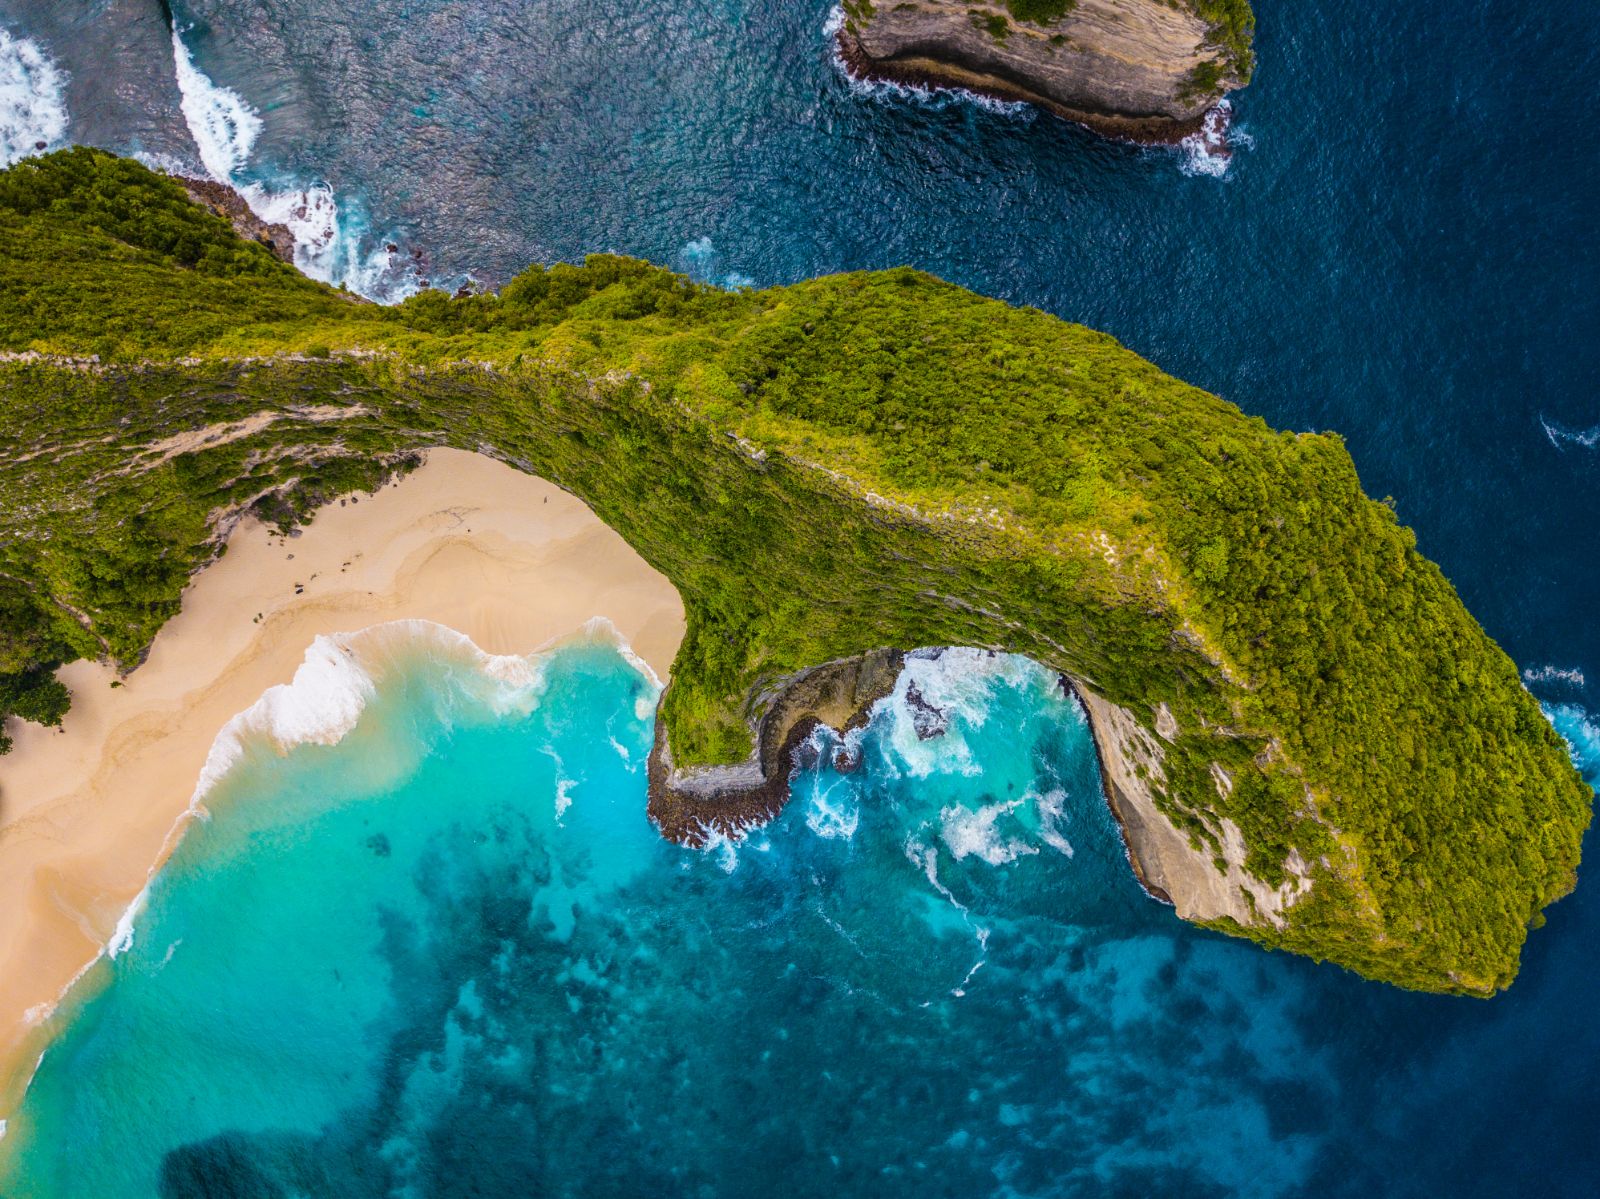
{"x": 1307, "y": 737}
{"x": 232, "y": 207}
{"x": 1143, "y": 69}
{"x": 692, "y": 804}
{"x": 1172, "y": 865}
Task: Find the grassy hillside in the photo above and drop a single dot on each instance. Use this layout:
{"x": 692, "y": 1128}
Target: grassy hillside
{"x": 858, "y": 461}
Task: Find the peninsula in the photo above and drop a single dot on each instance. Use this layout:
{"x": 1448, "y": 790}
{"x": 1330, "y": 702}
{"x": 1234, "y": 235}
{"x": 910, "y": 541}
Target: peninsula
{"x": 1146, "y": 70}
{"x": 1307, "y": 738}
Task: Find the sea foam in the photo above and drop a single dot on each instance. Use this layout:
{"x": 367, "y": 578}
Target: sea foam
{"x": 1581, "y": 731}
{"x": 33, "y": 107}
{"x": 224, "y": 126}
{"x": 1560, "y": 436}
{"x": 969, "y": 832}
{"x": 833, "y": 811}
{"x": 1052, "y": 806}
{"x": 959, "y": 683}
{"x": 1209, "y": 151}
{"x": 701, "y": 263}
{"x": 340, "y": 675}
{"x": 1557, "y": 675}
{"x": 329, "y": 241}
{"x": 926, "y": 97}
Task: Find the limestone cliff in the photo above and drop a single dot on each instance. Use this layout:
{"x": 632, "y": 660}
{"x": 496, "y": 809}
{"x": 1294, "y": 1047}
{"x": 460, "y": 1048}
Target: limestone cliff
{"x": 691, "y": 805}
{"x": 1171, "y": 864}
{"x": 1141, "y": 69}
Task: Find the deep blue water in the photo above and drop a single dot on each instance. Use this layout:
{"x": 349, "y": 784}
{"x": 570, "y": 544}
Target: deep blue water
{"x": 1403, "y": 252}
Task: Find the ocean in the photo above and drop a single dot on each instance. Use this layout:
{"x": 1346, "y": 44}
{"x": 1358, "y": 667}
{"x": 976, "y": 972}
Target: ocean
{"x": 447, "y": 956}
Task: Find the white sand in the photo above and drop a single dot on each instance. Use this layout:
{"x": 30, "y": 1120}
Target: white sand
{"x": 510, "y": 560}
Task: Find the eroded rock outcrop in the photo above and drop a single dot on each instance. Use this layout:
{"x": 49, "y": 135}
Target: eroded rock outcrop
{"x": 1203, "y": 877}
{"x": 691, "y": 805}
{"x": 232, "y": 207}
{"x": 1142, "y": 69}
{"x": 1203, "y": 882}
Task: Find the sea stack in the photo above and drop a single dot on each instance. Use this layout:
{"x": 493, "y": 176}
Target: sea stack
{"x": 1146, "y": 70}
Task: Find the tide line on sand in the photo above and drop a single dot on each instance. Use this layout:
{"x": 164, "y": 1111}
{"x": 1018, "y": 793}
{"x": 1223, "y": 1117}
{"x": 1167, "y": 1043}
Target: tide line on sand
{"x": 87, "y": 813}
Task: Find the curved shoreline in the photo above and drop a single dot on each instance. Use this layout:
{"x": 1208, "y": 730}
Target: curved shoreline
{"x": 924, "y": 72}
{"x": 88, "y": 811}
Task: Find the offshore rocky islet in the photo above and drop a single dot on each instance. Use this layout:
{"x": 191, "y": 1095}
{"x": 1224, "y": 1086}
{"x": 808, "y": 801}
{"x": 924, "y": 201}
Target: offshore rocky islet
{"x": 1323, "y": 741}
{"x": 1144, "y": 70}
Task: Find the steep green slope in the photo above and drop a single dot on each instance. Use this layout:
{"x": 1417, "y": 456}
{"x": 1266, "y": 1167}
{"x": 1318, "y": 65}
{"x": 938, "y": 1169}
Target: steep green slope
{"x": 862, "y": 461}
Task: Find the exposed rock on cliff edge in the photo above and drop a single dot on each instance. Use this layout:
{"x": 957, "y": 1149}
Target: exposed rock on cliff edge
{"x": 231, "y": 206}
{"x": 1171, "y": 866}
{"x": 691, "y": 805}
{"x": 1147, "y": 70}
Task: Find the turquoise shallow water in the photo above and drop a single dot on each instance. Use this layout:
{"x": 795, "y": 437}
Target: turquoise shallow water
{"x": 449, "y": 956}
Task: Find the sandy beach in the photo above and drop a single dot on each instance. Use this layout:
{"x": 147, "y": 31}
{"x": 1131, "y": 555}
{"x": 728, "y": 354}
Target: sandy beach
{"x": 509, "y": 560}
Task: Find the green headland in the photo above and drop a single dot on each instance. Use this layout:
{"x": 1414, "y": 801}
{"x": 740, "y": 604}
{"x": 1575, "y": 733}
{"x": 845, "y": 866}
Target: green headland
{"x": 866, "y": 462}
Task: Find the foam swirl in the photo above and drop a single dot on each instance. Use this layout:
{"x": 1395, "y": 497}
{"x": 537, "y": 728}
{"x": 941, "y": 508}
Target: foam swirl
{"x": 33, "y": 107}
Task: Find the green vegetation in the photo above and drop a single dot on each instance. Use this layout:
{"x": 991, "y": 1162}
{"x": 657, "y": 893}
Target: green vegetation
{"x": 992, "y": 23}
{"x": 1233, "y": 29}
{"x": 867, "y": 460}
{"x": 856, "y": 12}
{"x": 1204, "y": 80}
{"x": 1040, "y": 12}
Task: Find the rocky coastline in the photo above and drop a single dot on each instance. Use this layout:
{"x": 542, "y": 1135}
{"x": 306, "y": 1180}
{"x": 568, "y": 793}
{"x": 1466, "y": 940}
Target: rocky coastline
{"x": 1136, "y": 70}
{"x": 697, "y": 805}
{"x": 693, "y": 805}
{"x": 228, "y": 204}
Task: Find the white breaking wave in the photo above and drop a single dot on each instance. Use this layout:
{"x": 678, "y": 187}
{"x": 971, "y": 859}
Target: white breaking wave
{"x": 928, "y": 97}
{"x": 1581, "y": 731}
{"x": 327, "y": 243}
{"x": 701, "y": 263}
{"x": 834, "y": 811}
{"x": 976, "y": 833}
{"x": 724, "y": 844}
{"x": 331, "y": 688}
{"x": 724, "y": 848}
{"x": 960, "y": 683}
{"x": 1210, "y": 150}
{"x": 223, "y": 124}
{"x": 1570, "y": 677}
{"x": 1052, "y": 806}
{"x": 1561, "y": 436}
{"x": 33, "y": 106}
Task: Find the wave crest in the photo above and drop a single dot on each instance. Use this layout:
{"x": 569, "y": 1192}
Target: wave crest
{"x": 330, "y": 243}
{"x": 1210, "y": 149}
{"x": 1555, "y": 675}
{"x": 33, "y": 107}
{"x": 1560, "y": 436}
{"x": 340, "y": 675}
{"x": 1581, "y": 731}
